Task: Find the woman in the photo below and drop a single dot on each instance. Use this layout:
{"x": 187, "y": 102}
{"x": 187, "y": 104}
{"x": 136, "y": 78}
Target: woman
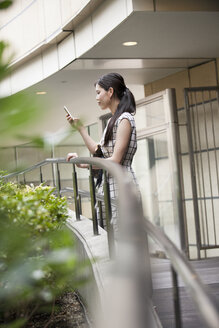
{"x": 118, "y": 143}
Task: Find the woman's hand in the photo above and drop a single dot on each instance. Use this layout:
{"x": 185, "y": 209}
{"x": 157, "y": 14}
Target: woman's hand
{"x": 75, "y": 122}
{"x": 75, "y": 155}
{"x": 71, "y": 155}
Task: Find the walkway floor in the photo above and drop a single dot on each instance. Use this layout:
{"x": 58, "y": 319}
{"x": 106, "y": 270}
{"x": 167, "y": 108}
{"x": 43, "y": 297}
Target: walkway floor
{"x": 208, "y": 271}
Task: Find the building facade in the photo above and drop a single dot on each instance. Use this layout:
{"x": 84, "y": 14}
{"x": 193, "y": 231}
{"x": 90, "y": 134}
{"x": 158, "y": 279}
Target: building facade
{"x": 60, "y": 49}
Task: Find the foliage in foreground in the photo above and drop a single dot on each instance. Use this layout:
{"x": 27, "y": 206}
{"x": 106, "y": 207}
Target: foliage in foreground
{"x": 37, "y": 258}
{"x": 37, "y": 255}
{"x": 32, "y": 207}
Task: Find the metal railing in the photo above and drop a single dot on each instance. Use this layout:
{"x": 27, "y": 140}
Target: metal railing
{"x": 202, "y": 118}
{"x": 180, "y": 266}
{"x": 133, "y": 232}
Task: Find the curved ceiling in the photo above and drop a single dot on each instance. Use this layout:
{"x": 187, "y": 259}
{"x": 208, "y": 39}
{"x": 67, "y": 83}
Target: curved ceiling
{"x": 167, "y": 43}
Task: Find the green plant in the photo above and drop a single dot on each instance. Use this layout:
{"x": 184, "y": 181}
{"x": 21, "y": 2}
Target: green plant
{"x": 37, "y": 253}
{"x": 33, "y": 207}
{"x": 5, "y": 3}
{"x": 37, "y": 257}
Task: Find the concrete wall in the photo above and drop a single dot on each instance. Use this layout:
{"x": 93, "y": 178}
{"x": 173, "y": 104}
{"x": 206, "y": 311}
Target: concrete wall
{"x": 98, "y": 293}
{"x": 44, "y": 41}
{"x": 95, "y": 250}
{"x": 202, "y": 75}
{"x": 27, "y": 24}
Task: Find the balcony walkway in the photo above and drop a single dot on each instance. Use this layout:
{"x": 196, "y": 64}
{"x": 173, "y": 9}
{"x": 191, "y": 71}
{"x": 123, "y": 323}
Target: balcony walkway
{"x": 207, "y": 269}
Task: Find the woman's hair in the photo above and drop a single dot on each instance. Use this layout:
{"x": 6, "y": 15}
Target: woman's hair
{"x": 127, "y": 100}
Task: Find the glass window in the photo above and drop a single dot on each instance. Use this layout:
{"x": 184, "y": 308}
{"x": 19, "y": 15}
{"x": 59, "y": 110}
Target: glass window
{"x": 93, "y": 131}
{"x": 150, "y": 114}
{"x": 152, "y": 166}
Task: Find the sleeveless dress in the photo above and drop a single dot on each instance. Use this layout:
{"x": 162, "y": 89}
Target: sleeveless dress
{"x": 126, "y": 162}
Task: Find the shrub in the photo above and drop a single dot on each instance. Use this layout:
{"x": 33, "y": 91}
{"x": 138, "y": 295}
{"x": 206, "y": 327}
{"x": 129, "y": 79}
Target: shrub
{"x": 32, "y": 207}
{"x": 37, "y": 258}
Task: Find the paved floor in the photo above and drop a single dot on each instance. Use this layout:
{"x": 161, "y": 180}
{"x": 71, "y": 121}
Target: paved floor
{"x": 208, "y": 271}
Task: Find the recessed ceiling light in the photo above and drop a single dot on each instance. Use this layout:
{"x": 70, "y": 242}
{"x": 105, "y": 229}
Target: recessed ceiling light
{"x": 130, "y": 43}
{"x": 41, "y": 92}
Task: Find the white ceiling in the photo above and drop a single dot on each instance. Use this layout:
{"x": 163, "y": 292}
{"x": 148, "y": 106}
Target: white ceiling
{"x": 162, "y": 35}
{"x": 167, "y": 43}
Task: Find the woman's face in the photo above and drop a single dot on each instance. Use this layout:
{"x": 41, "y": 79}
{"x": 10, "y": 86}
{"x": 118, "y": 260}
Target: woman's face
{"x": 103, "y": 97}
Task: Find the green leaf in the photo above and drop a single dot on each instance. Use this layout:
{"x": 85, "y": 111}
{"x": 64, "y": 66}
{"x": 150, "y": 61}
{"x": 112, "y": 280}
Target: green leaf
{"x": 36, "y": 253}
{"x": 15, "y": 324}
{"x": 16, "y": 112}
{"x": 5, "y": 4}
{"x": 4, "y": 64}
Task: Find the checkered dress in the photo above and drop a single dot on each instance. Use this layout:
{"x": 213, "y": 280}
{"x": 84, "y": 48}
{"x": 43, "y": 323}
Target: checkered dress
{"x": 126, "y": 162}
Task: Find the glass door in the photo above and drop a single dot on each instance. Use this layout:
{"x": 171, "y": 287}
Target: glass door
{"x": 152, "y": 167}
{"x": 157, "y": 167}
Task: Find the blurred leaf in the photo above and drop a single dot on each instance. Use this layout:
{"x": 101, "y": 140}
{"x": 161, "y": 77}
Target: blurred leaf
{"x": 48, "y": 140}
{"x": 4, "y": 64}
{"x": 16, "y": 112}
{"x": 35, "y": 140}
{"x": 15, "y": 324}
{"x": 37, "y": 256}
{"x": 5, "y": 4}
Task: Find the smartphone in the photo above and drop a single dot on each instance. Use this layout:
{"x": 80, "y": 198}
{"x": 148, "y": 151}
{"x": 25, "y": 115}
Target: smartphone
{"x": 67, "y": 111}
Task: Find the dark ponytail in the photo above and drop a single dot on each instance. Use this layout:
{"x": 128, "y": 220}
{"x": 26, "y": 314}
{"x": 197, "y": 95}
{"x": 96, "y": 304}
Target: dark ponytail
{"x": 127, "y": 100}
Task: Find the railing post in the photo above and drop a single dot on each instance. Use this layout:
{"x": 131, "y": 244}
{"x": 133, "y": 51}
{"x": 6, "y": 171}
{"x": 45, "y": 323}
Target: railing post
{"x": 16, "y": 161}
{"x": 93, "y": 202}
{"x": 108, "y": 210}
{"x": 58, "y": 183}
{"x": 101, "y": 214}
{"x": 79, "y": 204}
{"x": 176, "y": 299}
{"x": 75, "y": 190}
{"x": 53, "y": 174}
{"x": 41, "y": 175}
{"x": 24, "y": 178}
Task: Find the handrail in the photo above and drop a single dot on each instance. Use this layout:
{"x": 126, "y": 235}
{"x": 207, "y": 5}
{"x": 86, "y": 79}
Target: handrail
{"x": 35, "y": 166}
{"x": 197, "y": 289}
{"x": 83, "y": 193}
{"x": 192, "y": 281}
{"x": 132, "y": 233}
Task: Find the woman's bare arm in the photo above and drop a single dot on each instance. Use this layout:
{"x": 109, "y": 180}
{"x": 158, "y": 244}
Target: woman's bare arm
{"x": 89, "y": 142}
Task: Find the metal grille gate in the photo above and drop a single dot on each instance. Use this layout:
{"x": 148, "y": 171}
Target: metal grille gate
{"x": 202, "y": 116}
